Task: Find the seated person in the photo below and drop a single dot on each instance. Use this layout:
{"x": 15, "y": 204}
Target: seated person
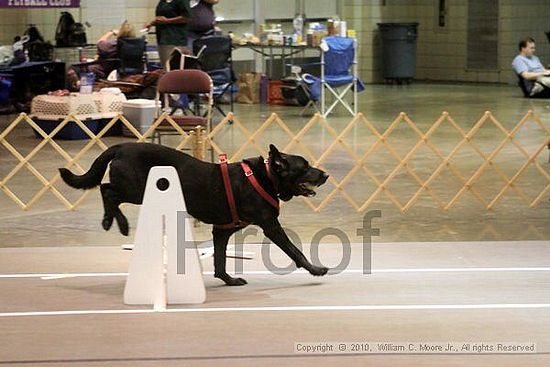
{"x": 106, "y": 49}
{"x": 528, "y": 66}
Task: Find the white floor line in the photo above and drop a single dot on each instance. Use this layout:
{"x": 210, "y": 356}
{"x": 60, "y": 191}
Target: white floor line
{"x": 409, "y": 243}
{"x": 51, "y": 276}
{"x": 284, "y": 309}
{"x": 47, "y": 276}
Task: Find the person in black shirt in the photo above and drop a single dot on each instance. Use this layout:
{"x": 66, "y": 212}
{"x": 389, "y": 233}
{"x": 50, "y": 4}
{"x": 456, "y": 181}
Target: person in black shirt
{"x": 171, "y": 17}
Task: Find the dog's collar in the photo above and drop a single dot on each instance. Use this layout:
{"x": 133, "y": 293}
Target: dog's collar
{"x": 268, "y": 171}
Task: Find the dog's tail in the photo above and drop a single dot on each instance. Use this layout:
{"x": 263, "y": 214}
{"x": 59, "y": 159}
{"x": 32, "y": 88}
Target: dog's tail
{"x": 93, "y": 177}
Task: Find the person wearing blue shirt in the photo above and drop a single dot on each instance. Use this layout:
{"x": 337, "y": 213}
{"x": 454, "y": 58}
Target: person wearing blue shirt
{"x": 528, "y": 66}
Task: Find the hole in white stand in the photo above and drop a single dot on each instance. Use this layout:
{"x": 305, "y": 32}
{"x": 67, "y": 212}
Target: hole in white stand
{"x": 163, "y": 184}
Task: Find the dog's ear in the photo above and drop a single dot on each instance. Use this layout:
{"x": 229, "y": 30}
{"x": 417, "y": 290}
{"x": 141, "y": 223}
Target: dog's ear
{"x": 280, "y": 165}
{"x": 273, "y": 150}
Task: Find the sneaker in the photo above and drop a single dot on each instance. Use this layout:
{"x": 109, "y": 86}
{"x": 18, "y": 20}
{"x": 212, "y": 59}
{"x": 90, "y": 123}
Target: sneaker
{"x": 537, "y": 88}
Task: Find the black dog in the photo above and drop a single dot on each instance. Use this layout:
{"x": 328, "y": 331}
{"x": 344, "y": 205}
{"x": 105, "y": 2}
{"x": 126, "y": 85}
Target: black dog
{"x": 204, "y": 192}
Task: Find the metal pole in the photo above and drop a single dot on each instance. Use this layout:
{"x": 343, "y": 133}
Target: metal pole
{"x": 323, "y": 83}
{"x": 340, "y": 8}
{"x": 259, "y": 18}
{"x": 355, "y": 91}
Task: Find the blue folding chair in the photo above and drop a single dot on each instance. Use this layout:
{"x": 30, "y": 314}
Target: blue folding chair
{"x": 339, "y": 73}
{"x": 338, "y": 77}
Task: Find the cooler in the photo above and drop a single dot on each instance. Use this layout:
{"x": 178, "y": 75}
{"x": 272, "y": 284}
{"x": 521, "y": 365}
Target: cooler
{"x": 140, "y": 113}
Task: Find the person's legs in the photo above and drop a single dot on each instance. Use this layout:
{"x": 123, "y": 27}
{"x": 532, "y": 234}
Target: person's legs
{"x": 164, "y": 54}
{"x": 544, "y": 80}
{"x": 541, "y": 86}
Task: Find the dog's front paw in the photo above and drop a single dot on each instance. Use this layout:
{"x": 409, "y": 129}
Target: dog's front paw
{"x": 229, "y": 280}
{"x": 236, "y": 282}
{"x": 317, "y": 270}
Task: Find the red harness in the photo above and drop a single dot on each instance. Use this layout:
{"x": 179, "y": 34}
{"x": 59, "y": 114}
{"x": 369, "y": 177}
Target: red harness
{"x": 235, "y": 221}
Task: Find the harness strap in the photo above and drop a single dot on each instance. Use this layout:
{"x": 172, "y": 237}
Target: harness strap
{"x": 259, "y": 189}
{"x": 229, "y": 191}
{"x": 235, "y": 221}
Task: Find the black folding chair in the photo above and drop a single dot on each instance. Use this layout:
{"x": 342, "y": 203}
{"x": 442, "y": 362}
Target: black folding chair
{"x": 130, "y": 60}
{"x": 131, "y": 52}
{"x": 215, "y": 58}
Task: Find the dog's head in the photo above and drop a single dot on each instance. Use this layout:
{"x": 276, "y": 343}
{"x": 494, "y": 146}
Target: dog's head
{"x": 295, "y": 177}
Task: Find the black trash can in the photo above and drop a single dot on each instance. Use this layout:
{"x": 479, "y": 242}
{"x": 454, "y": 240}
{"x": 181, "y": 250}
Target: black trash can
{"x": 399, "y": 51}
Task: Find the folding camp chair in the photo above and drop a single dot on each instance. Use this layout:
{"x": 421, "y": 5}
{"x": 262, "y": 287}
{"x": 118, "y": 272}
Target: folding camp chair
{"x": 182, "y": 59}
{"x": 215, "y": 58}
{"x": 132, "y": 55}
{"x": 338, "y": 73}
{"x": 131, "y": 59}
{"x": 338, "y": 77}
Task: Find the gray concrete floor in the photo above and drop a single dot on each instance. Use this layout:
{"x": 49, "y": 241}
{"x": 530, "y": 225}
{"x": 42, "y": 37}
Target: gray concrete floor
{"x": 50, "y": 239}
{"x": 415, "y": 275}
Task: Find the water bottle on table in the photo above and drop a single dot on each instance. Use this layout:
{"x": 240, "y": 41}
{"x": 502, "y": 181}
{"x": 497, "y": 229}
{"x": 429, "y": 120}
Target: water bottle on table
{"x": 87, "y": 81}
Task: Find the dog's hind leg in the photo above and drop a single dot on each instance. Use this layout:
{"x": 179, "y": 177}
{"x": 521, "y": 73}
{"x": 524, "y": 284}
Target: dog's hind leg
{"x": 111, "y": 201}
{"x": 108, "y": 214}
{"x": 221, "y": 237}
